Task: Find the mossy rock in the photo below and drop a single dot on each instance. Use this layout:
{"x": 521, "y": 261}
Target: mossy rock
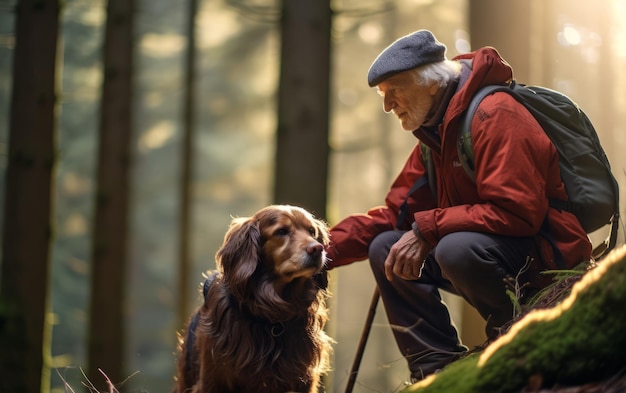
{"x": 583, "y": 339}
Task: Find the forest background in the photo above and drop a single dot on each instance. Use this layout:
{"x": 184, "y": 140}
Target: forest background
{"x": 577, "y": 47}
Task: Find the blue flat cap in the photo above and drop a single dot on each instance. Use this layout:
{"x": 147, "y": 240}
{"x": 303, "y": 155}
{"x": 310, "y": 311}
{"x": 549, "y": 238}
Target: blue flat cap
{"x": 411, "y": 51}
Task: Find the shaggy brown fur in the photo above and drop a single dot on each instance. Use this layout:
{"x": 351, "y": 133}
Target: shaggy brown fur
{"x": 260, "y": 328}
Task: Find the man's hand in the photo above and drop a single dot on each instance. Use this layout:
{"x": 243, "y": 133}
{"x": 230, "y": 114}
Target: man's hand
{"x": 406, "y": 257}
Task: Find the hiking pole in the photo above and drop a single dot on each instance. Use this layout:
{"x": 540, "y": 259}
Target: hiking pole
{"x": 361, "y": 348}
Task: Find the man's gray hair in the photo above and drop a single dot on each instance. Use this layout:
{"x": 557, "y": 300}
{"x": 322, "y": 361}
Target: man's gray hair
{"x": 441, "y": 72}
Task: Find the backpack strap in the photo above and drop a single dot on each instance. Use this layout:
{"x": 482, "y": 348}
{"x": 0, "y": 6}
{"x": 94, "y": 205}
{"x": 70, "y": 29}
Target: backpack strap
{"x": 427, "y": 178}
{"x": 427, "y": 161}
{"x": 464, "y": 140}
{"x": 402, "y": 212}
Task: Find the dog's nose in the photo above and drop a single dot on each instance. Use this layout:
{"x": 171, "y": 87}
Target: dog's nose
{"x": 314, "y": 249}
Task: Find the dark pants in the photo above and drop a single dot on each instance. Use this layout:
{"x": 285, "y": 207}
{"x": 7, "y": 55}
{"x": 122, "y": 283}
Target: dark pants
{"x": 469, "y": 264}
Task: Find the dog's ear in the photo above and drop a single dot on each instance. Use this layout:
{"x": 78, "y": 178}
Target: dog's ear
{"x": 238, "y": 257}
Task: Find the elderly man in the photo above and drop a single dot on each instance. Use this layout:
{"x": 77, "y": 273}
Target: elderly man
{"x": 471, "y": 237}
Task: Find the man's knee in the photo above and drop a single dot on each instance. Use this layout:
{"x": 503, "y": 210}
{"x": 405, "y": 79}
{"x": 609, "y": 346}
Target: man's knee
{"x": 454, "y": 251}
{"x": 473, "y": 251}
{"x": 465, "y": 257}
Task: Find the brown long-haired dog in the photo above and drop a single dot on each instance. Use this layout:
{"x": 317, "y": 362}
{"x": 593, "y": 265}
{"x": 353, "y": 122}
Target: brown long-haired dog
{"x": 260, "y": 328}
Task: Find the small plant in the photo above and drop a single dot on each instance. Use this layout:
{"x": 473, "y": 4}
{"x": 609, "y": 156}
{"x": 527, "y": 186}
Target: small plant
{"x": 89, "y": 385}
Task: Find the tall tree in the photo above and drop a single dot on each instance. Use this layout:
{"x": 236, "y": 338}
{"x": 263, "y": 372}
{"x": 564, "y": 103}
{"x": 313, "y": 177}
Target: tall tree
{"x": 486, "y": 17}
{"x": 187, "y": 167}
{"x": 303, "y": 105}
{"x": 111, "y": 221}
{"x": 28, "y": 203}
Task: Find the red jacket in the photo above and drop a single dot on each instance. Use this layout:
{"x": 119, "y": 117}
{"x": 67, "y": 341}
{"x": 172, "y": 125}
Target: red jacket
{"x": 516, "y": 173}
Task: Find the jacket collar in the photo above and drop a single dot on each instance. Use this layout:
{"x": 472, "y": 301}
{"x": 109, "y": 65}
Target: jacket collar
{"x": 428, "y": 132}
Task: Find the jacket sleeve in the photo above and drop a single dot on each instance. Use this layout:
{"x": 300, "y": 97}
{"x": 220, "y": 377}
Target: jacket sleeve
{"x": 515, "y": 164}
{"x": 350, "y": 238}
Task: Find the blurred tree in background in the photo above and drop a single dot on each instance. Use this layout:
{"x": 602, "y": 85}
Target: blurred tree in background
{"x": 301, "y": 157}
{"x": 574, "y": 46}
{"x": 107, "y": 339}
{"x": 28, "y": 206}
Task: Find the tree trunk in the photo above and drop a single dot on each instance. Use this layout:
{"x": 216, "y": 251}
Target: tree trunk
{"x": 111, "y": 220}
{"x": 28, "y": 204}
{"x": 186, "y": 177}
{"x": 489, "y": 18}
{"x": 303, "y": 106}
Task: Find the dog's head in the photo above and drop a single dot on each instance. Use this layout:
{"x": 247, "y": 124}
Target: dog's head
{"x": 275, "y": 260}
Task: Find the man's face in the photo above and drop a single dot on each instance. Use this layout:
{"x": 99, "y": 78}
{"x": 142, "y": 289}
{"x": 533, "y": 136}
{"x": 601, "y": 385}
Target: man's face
{"x": 410, "y": 102}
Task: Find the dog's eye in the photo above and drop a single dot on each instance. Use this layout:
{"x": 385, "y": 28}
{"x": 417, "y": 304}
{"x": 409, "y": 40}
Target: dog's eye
{"x": 312, "y": 231}
{"x": 282, "y": 231}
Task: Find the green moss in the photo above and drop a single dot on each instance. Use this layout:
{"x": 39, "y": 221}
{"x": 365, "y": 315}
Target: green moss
{"x": 458, "y": 377}
{"x": 580, "y": 340}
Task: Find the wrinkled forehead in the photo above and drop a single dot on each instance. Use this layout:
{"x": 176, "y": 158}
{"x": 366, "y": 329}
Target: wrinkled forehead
{"x": 405, "y": 79}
